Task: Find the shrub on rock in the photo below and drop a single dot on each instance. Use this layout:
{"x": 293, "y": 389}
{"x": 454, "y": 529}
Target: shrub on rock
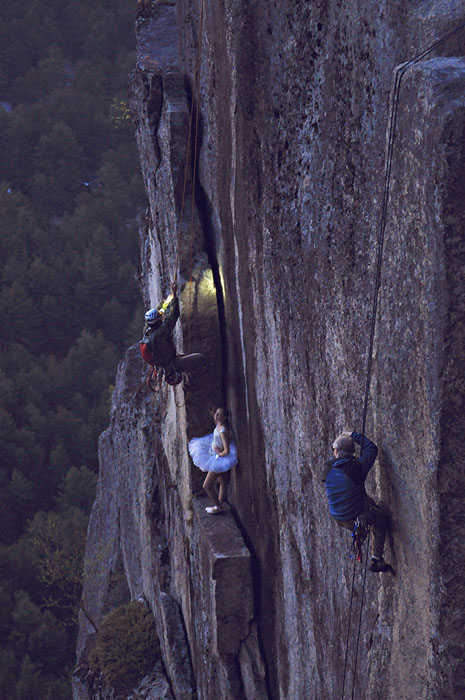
{"x": 126, "y": 647}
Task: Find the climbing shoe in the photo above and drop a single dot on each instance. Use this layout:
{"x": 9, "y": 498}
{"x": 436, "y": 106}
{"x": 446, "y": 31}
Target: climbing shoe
{"x": 379, "y": 566}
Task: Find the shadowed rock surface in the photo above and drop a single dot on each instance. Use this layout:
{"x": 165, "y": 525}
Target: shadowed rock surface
{"x": 294, "y": 107}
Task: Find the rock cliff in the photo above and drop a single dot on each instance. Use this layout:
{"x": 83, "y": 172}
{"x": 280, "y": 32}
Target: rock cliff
{"x": 276, "y": 240}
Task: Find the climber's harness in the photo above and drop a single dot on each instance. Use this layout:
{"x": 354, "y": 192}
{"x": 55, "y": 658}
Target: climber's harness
{"x": 172, "y": 376}
{"x": 359, "y": 534}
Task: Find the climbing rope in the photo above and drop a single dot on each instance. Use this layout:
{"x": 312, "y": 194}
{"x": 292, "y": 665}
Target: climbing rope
{"x": 186, "y": 396}
{"x": 350, "y": 615}
{"x": 360, "y": 617}
{"x": 348, "y": 632}
{"x": 400, "y": 72}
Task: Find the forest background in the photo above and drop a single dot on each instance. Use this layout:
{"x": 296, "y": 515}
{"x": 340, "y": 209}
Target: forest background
{"x": 71, "y": 197}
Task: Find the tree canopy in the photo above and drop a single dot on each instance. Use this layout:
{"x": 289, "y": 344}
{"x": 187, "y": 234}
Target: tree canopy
{"x": 71, "y": 197}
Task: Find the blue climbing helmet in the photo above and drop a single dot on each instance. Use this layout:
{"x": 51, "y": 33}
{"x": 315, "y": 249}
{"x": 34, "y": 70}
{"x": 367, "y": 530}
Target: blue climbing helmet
{"x": 153, "y": 316}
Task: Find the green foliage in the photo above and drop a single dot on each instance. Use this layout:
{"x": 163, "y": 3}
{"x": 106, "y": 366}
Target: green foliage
{"x": 70, "y": 199}
{"x": 120, "y": 113}
{"x": 8, "y": 674}
{"x": 19, "y": 567}
{"x": 126, "y": 647}
{"x": 77, "y": 490}
{"x": 58, "y": 540}
{"x": 30, "y": 683}
{"x": 69, "y": 207}
{"x": 36, "y": 632}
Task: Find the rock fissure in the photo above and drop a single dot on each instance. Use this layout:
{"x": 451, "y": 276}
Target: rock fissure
{"x": 205, "y": 214}
{"x": 254, "y": 630}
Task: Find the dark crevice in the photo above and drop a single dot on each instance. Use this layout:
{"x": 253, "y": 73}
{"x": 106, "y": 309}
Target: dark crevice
{"x": 257, "y": 594}
{"x": 204, "y": 211}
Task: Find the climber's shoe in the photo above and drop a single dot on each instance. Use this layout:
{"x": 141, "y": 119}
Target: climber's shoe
{"x": 213, "y": 510}
{"x": 379, "y": 566}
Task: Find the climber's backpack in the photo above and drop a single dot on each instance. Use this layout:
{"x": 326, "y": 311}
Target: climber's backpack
{"x": 147, "y": 354}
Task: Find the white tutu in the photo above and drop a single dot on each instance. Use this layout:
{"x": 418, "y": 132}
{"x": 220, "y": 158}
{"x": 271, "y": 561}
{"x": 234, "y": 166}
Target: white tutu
{"x": 204, "y": 457}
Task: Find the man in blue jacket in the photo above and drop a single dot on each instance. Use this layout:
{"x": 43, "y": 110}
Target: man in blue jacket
{"x": 345, "y": 487}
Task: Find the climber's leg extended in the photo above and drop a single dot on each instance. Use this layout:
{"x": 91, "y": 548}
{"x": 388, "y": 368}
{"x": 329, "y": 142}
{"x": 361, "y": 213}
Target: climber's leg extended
{"x": 209, "y": 486}
{"x": 376, "y": 517}
{"x": 223, "y": 480}
{"x": 378, "y": 520}
{"x": 188, "y": 363}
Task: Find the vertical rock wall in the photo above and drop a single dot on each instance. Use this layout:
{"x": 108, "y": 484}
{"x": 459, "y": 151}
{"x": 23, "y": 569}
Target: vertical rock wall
{"x": 149, "y": 539}
{"x": 294, "y": 107}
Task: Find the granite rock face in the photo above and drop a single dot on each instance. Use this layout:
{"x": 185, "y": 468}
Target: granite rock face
{"x": 278, "y": 234}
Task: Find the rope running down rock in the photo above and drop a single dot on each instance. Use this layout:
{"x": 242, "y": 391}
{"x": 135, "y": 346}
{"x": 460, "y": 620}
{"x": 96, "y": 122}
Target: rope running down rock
{"x": 400, "y": 72}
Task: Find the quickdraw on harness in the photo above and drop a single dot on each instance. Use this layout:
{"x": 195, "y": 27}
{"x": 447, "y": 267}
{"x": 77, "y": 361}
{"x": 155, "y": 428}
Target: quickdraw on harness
{"x": 172, "y": 377}
{"x": 359, "y": 535}
{"x": 171, "y": 374}
{"x": 153, "y": 379}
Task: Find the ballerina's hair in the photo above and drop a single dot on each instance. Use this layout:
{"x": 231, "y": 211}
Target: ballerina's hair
{"x": 226, "y": 423}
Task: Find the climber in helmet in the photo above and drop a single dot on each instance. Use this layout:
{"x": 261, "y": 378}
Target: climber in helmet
{"x": 344, "y": 478}
{"x": 157, "y": 345}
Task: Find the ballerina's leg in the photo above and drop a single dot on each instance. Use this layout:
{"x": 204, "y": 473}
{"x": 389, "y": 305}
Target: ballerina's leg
{"x": 209, "y": 486}
{"x": 223, "y": 478}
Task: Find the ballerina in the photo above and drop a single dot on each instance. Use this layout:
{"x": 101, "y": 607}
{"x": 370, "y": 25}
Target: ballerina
{"x": 215, "y": 453}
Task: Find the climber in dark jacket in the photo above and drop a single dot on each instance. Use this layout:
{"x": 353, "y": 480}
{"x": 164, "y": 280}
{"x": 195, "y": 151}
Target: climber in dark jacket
{"x": 344, "y": 478}
{"x": 158, "y": 339}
